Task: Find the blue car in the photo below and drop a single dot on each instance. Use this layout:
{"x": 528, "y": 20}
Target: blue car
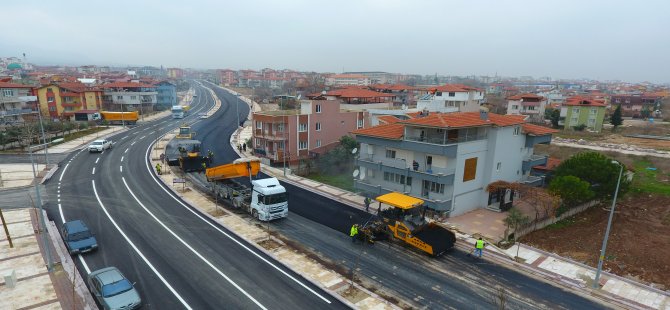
{"x": 78, "y": 238}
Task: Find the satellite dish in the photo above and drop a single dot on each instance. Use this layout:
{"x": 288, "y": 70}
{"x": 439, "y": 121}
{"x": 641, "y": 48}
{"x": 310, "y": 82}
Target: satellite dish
{"x": 356, "y": 173}
{"x": 404, "y": 107}
{"x": 354, "y": 151}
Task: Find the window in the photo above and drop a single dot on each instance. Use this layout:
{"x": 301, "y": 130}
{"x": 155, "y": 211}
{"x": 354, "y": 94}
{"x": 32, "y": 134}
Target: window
{"x": 280, "y": 127}
{"x": 397, "y": 178}
{"x": 452, "y": 94}
{"x": 531, "y": 108}
{"x": 318, "y": 126}
{"x": 8, "y": 92}
{"x": 360, "y": 123}
{"x": 592, "y": 122}
{"x": 575, "y": 110}
{"x": 390, "y": 153}
{"x": 470, "y": 169}
{"x": 50, "y": 90}
{"x": 515, "y": 107}
{"x": 258, "y": 142}
{"x": 433, "y": 187}
{"x": 52, "y": 109}
{"x": 302, "y": 145}
{"x": 259, "y": 125}
{"x": 498, "y": 166}
{"x": 318, "y": 143}
{"x": 438, "y": 93}
{"x": 51, "y": 99}
{"x": 517, "y": 130}
{"x": 318, "y": 108}
{"x": 302, "y": 127}
{"x": 119, "y": 97}
{"x": 594, "y": 111}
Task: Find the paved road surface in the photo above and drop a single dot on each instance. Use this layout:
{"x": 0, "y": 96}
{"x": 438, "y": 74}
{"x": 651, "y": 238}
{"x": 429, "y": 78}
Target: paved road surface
{"x": 178, "y": 259}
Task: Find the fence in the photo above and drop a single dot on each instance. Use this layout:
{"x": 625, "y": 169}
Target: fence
{"x": 546, "y": 221}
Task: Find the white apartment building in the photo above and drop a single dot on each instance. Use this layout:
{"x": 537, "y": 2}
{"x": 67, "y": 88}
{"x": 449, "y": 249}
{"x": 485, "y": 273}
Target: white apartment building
{"x": 449, "y": 159}
{"x": 347, "y": 79}
{"x": 527, "y": 104}
{"x": 129, "y": 95}
{"x": 449, "y": 98}
{"x": 14, "y": 105}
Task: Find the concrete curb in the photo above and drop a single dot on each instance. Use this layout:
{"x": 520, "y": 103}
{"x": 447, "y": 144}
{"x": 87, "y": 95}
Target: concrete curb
{"x": 49, "y": 174}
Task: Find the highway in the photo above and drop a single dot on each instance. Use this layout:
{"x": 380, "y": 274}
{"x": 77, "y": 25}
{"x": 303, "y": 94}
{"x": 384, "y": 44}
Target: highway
{"x": 454, "y": 280}
{"x": 179, "y": 259}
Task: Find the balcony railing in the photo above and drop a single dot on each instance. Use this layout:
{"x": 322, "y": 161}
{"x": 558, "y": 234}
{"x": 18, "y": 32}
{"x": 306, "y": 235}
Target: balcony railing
{"x": 16, "y": 112}
{"x": 532, "y": 161}
{"x": 444, "y": 141}
{"x": 402, "y": 164}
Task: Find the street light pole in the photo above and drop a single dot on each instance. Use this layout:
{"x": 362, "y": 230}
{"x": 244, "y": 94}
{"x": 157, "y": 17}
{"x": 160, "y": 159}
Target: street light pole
{"x": 44, "y": 137}
{"x": 607, "y": 232}
{"x": 47, "y": 249}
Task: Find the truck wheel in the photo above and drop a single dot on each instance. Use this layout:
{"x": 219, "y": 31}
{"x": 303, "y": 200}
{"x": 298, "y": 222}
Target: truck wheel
{"x": 254, "y": 213}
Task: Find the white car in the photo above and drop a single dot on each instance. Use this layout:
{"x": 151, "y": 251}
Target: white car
{"x": 99, "y": 145}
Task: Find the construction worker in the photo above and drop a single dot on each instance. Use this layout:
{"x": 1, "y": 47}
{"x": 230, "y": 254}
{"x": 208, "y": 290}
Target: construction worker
{"x": 204, "y": 166}
{"x": 158, "y": 168}
{"x": 354, "y": 232}
{"x": 210, "y": 156}
{"x": 479, "y": 246}
{"x": 367, "y": 202}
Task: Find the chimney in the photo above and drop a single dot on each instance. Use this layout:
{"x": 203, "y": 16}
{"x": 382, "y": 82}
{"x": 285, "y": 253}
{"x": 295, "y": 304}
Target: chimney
{"x": 484, "y": 114}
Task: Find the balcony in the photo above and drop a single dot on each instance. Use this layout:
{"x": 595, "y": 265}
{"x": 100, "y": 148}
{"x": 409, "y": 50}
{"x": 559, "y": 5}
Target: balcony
{"x": 70, "y": 104}
{"x": 16, "y": 112}
{"x": 532, "y": 180}
{"x": 69, "y": 94}
{"x": 400, "y": 166}
{"x": 532, "y": 161}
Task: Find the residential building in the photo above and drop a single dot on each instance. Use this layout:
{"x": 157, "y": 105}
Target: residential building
{"x": 227, "y": 77}
{"x": 175, "y": 73}
{"x": 578, "y": 111}
{"x": 527, "y": 104}
{"x": 291, "y": 135}
{"x": 14, "y": 107}
{"x": 347, "y": 79}
{"x": 449, "y": 159}
{"x": 402, "y": 94}
{"x": 166, "y": 95}
{"x": 376, "y": 77}
{"x": 62, "y": 100}
{"x": 353, "y": 95}
{"x": 451, "y": 98}
{"x": 129, "y": 96}
{"x": 633, "y": 105}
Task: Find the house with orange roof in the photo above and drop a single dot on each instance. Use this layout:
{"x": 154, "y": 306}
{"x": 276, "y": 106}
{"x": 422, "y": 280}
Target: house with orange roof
{"x": 353, "y": 95}
{"x": 530, "y": 105}
{"x": 586, "y": 111}
{"x": 451, "y": 98}
{"x": 449, "y": 159}
{"x": 634, "y": 105}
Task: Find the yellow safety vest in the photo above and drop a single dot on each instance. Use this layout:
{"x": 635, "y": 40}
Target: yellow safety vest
{"x": 354, "y": 231}
{"x": 480, "y": 244}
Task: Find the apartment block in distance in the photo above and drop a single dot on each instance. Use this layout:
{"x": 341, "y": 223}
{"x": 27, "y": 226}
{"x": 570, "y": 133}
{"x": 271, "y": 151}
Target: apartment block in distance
{"x": 291, "y": 135}
{"x": 452, "y": 97}
{"x": 13, "y": 108}
{"x": 129, "y": 96}
{"x": 449, "y": 159}
{"x": 583, "y": 111}
{"x": 527, "y": 104}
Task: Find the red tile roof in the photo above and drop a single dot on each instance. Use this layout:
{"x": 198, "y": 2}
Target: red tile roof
{"x": 356, "y": 93}
{"x": 584, "y": 101}
{"x": 464, "y": 119}
{"x": 388, "y": 119}
{"x": 389, "y": 131}
{"x": 537, "y": 130}
{"x": 125, "y": 85}
{"x": 552, "y": 163}
{"x": 524, "y": 96}
{"x": 13, "y": 85}
{"x": 392, "y": 87}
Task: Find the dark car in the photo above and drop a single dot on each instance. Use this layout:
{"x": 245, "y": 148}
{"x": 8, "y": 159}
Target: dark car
{"x": 113, "y": 290}
{"x": 78, "y": 238}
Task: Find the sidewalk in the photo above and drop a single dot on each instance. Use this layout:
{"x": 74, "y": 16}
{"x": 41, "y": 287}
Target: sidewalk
{"x": 558, "y": 270}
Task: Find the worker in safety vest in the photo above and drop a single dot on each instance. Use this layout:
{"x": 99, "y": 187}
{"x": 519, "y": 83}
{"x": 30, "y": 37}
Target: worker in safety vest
{"x": 204, "y": 166}
{"x": 354, "y": 232}
{"x": 479, "y": 246}
{"x": 158, "y": 169}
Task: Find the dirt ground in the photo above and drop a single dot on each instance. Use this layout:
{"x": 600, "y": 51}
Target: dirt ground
{"x": 638, "y": 245}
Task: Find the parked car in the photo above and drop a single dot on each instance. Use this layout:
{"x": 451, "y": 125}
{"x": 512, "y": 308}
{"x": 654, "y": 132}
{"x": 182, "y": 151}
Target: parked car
{"x": 113, "y": 290}
{"x": 78, "y": 238}
{"x": 100, "y": 145}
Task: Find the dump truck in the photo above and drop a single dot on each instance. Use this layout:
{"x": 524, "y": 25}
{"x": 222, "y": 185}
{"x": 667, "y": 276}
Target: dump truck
{"x": 177, "y": 112}
{"x": 265, "y": 200}
{"x": 119, "y": 118}
{"x": 405, "y": 221}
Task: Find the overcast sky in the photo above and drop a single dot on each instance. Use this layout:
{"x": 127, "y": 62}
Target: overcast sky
{"x": 625, "y": 40}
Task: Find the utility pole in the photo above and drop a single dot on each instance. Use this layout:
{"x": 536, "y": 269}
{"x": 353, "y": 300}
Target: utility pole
{"x": 601, "y": 257}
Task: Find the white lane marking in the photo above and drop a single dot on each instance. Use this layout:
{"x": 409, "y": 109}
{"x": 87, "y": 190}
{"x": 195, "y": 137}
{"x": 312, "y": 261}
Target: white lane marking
{"x": 126, "y": 151}
{"x": 144, "y": 258}
{"x": 63, "y": 172}
{"x": 121, "y": 168}
{"x": 146, "y": 155}
{"x": 60, "y": 210}
{"x": 97, "y": 159}
{"x": 122, "y": 158}
{"x": 59, "y": 194}
{"x": 133, "y": 143}
{"x": 93, "y": 172}
{"x": 192, "y": 249}
{"x": 142, "y": 137}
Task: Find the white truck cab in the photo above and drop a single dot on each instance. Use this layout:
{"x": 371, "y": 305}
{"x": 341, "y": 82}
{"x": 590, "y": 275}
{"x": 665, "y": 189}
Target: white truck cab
{"x": 269, "y": 199}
